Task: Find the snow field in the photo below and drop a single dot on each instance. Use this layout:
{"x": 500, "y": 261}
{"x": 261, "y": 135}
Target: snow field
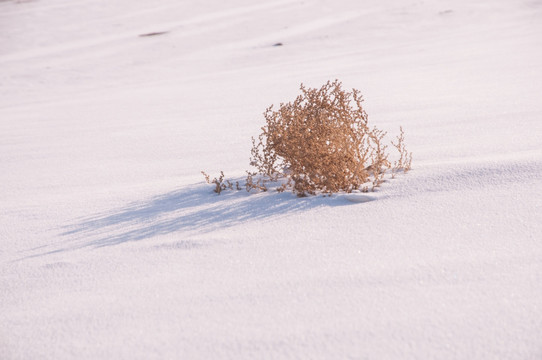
{"x": 113, "y": 247}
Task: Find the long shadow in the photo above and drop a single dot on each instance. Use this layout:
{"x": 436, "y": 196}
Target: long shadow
{"x": 194, "y": 209}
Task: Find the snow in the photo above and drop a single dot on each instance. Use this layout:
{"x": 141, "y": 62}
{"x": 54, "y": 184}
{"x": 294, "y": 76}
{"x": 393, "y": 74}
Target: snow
{"x": 114, "y": 247}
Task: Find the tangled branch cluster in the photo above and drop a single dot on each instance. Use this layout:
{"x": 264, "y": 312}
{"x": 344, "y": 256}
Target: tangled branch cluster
{"x": 322, "y": 143}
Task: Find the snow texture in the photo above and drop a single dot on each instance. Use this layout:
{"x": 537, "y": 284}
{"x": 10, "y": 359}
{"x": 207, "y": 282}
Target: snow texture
{"x": 113, "y": 247}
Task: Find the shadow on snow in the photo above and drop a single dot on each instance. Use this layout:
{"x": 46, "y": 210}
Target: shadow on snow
{"x": 194, "y": 209}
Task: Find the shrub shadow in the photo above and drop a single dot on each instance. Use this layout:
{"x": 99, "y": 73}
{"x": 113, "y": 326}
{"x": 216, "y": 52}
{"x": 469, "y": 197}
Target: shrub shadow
{"x": 193, "y": 210}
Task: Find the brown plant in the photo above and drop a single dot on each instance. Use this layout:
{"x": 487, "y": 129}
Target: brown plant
{"x": 220, "y": 185}
{"x": 319, "y": 143}
{"x": 405, "y": 158}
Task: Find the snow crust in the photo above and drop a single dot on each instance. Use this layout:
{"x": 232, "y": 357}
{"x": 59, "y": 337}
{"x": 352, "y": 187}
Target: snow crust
{"x": 112, "y": 247}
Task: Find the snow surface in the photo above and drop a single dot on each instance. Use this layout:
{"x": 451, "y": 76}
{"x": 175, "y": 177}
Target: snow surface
{"x": 112, "y": 247}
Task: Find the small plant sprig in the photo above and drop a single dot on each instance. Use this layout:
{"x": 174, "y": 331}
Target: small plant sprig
{"x": 219, "y": 183}
{"x": 405, "y": 158}
{"x": 251, "y": 184}
{"x": 379, "y": 157}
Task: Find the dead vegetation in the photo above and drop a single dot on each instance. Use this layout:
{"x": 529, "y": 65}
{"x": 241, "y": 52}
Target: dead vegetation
{"x": 219, "y": 183}
{"x": 320, "y": 143}
{"x": 405, "y": 158}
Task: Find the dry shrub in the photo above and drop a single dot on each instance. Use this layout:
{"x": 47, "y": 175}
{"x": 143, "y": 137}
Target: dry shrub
{"x": 320, "y": 143}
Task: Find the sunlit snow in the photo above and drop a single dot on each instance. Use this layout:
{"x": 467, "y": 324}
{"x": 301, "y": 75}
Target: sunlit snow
{"x": 113, "y": 247}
